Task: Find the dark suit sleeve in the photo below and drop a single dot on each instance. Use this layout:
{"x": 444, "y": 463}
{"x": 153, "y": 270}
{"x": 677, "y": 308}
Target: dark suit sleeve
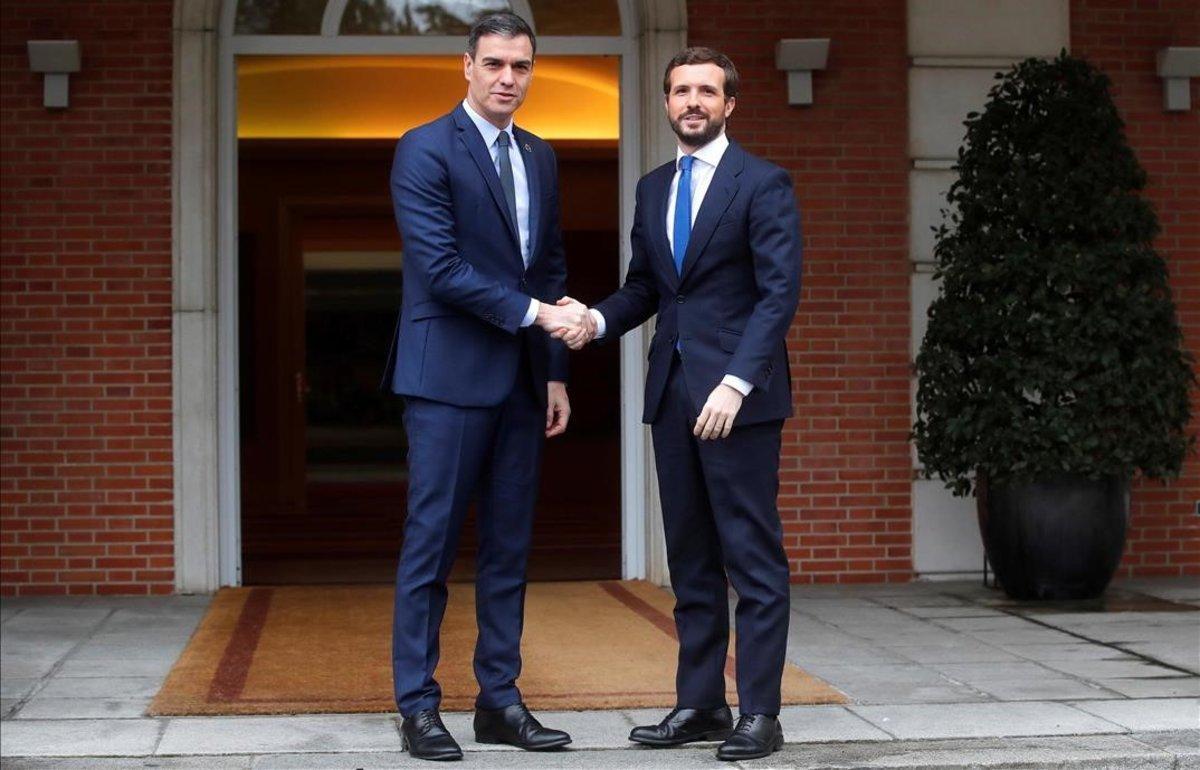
{"x": 556, "y": 270}
{"x": 774, "y": 230}
{"x": 637, "y": 300}
{"x": 425, "y": 214}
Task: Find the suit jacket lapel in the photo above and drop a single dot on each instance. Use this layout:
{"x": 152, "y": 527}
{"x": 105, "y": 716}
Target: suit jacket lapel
{"x": 473, "y": 141}
{"x": 720, "y": 194}
{"x": 658, "y": 195}
{"x": 533, "y": 176}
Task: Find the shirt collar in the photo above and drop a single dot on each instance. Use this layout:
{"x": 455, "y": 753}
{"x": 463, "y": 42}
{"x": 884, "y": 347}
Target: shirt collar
{"x": 710, "y": 153}
{"x": 488, "y": 131}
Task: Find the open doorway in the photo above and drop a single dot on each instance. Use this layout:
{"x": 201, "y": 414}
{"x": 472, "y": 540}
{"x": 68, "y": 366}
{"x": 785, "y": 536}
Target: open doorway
{"x": 320, "y": 266}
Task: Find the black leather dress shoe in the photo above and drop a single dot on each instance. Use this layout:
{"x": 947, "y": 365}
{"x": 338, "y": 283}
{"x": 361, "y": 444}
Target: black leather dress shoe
{"x": 424, "y": 736}
{"x": 756, "y": 735}
{"x": 515, "y": 726}
{"x": 685, "y": 726}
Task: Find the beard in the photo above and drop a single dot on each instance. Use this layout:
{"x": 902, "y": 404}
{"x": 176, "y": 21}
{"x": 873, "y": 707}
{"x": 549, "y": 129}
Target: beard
{"x": 712, "y": 128}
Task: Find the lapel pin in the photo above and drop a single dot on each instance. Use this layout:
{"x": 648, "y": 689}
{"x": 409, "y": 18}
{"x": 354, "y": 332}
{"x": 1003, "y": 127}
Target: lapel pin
{"x": 528, "y": 148}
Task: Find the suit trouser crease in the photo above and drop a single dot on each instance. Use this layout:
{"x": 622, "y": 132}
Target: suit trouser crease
{"x": 456, "y": 453}
{"x": 720, "y": 518}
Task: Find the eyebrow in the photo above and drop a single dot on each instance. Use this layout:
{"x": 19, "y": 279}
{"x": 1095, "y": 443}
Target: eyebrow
{"x": 515, "y": 63}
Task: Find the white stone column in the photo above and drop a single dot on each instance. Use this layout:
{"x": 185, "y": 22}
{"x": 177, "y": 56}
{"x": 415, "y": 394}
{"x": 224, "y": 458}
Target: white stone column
{"x": 662, "y": 34}
{"x": 955, "y": 48}
{"x": 194, "y": 305}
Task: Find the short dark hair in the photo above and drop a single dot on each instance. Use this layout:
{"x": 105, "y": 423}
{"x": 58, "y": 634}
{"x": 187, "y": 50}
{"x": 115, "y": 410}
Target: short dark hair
{"x": 701, "y": 55}
{"x": 503, "y": 23}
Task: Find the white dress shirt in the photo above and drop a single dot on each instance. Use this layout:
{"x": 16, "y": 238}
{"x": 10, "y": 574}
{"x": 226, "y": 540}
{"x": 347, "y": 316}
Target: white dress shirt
{"x": 704, "y": 165}
{"x": 520, "y": 186}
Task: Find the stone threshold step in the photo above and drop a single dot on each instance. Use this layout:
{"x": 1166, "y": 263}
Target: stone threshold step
{"x": 1174, "y": 750}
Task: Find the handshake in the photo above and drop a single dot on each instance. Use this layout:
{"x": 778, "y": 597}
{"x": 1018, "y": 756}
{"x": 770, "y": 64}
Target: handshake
{"x": 567, "y": 320}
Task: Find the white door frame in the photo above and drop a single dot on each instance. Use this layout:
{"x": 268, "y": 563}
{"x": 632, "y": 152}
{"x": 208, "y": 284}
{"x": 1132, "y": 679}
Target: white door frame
{"x": 205, "y": 386}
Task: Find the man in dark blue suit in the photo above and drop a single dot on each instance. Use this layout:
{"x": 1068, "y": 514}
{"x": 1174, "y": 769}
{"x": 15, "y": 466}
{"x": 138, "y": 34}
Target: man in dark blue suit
{"x": 476, "y": 200}
{"x": 716, "y": 255}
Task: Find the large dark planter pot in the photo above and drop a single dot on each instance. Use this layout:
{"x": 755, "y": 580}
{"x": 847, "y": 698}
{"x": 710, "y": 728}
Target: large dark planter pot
{"x": 1059, "y": 538}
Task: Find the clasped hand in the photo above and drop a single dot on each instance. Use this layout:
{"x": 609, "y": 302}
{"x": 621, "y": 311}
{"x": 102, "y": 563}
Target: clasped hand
{"x": 569, "y": 321}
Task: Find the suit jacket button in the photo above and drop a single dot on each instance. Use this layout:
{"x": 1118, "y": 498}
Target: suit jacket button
{"x": 679, "y": 299}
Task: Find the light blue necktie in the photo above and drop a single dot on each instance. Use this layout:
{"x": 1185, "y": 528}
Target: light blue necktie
{"x": 683, "y": 212}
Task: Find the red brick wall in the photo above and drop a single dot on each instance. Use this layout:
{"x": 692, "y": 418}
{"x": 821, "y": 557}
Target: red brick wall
{"x": 845, "y": 496}
{"x": 85, "y": 399}
{"x": 1122, "y": 38}
{"x": 85, "y": 294}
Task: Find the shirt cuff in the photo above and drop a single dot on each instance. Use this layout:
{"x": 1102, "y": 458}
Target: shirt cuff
{"x": 599, "y": 319}
{"x": 531, "y": 313}
{"x": 738, "y": 384}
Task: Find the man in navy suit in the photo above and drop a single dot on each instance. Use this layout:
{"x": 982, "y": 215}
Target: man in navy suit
{"x": 476, "y": 200}
{"x": 716, "y": 255}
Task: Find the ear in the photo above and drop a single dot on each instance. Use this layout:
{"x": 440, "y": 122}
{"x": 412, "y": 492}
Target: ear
{"x": 467, "y": 64}
{"x": 730, "y": 103}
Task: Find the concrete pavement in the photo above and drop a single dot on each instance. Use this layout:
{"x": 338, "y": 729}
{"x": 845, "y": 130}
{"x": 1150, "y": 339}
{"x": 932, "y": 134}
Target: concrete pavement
{"x": 938, "y": 675}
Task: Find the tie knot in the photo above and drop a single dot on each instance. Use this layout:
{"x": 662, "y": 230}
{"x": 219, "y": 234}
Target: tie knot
{"x": 502, "y": 140}
{"x": 685, "y": 162}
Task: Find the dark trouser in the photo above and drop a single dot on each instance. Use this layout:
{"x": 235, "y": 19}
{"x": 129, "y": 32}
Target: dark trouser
{"x": 455, "y": 454}
{"x": 719, "y": 515}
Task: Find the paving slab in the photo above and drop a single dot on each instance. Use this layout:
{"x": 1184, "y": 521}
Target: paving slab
{"x": 1068, "y": 651}
{"x": 96, "y": 651}
{"x": 983, "y": 720}
{"x": 1113, "y": 752}
{"x": 1112, "y": 669}
{"x": 1185, "y": 590}
{"x": 667, "y": 759}
{"x": 1133, "y": 752}
{"x": 243, "y": 762}
{"x": 253, "y": 735}
{"x": 1181, "y": 743}
{"x": 15, "y": 688}
{"x": 75, "y": 619}
{"x": 1007, "y": 638}
{"x": 103, "y": 687}
{"x": 1148, "y": 714}
{"x": 826, "y": 724}
{"x": 29, "y": 665}
{"x": 992, "y": 671}
{"x": 960, "y": 611}
{"x": 1182, "y": 687}
{"x": 965, "y": 651}
{"x": 78, "y": 737}
{"x": 997, "y": 622}
{"x": 132, "y": 667}
{"x": 922, "y": 601}
{"x": 1184, "y": 654}
{"x": 896, "y": 684}
{"x": 806, "y": 656}
{"x": 1049, "y": 688}
{"x": 83, "y": 708}
{"x": 46, "y": 642}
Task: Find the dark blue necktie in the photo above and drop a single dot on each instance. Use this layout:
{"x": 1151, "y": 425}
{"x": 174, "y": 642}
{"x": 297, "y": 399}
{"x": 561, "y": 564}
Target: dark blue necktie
{"x": 683, "y": 212}
{"x": 506, "y": 177}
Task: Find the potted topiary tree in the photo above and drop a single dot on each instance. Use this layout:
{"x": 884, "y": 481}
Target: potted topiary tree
{"x": 1053, "y": 368}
